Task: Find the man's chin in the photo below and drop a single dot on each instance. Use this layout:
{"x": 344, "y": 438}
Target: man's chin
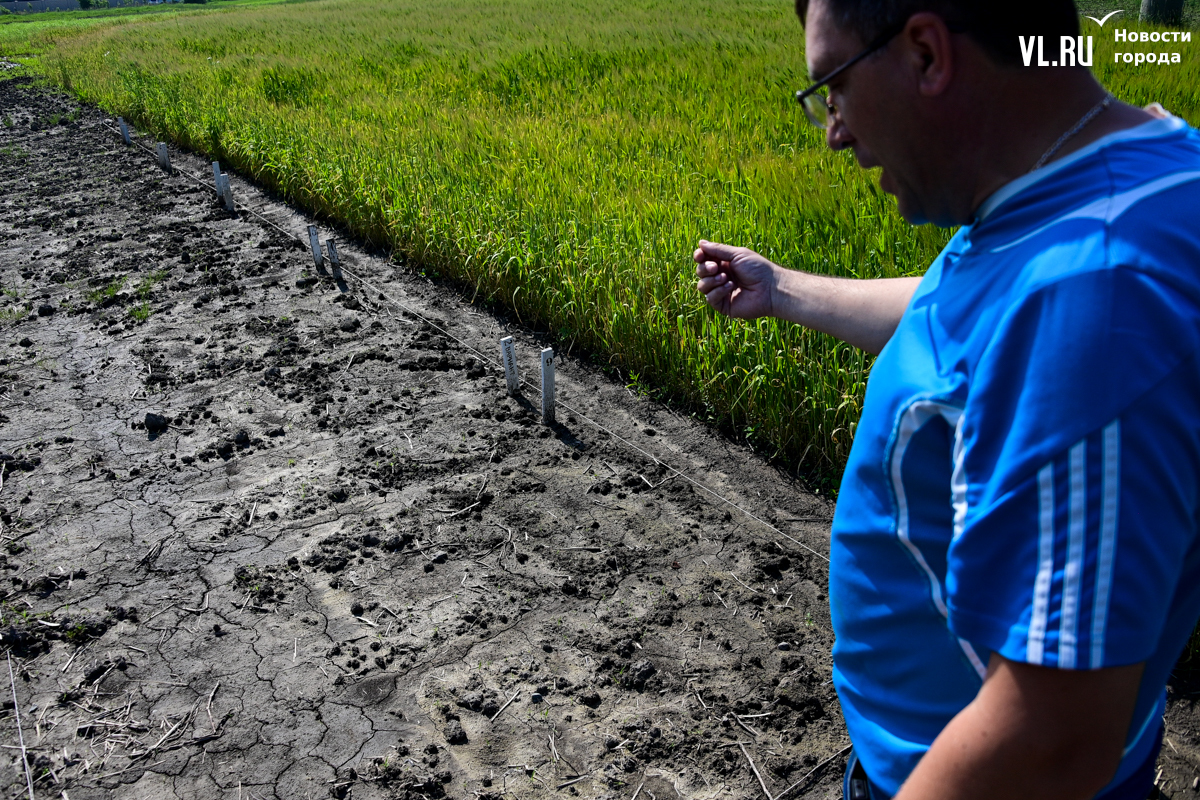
{"x": 905, "y": 203}
{"x": 911, "y": 212}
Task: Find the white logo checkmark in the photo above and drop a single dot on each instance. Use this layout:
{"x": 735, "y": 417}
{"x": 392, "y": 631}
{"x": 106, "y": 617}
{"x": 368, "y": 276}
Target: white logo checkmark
{"x": 1107, "y": 17}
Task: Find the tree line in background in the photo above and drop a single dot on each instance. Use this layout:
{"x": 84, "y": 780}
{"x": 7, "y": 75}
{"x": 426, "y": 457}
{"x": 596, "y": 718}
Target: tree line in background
{"x": 85, "y": 5}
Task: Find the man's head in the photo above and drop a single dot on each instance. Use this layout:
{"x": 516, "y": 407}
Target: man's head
{"x": 993, "y": 26}
{"x": 936, "y": 106}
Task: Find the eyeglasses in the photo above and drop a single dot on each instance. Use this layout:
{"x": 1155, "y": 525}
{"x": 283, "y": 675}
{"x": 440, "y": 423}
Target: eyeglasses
{"x": 814, "y": 102}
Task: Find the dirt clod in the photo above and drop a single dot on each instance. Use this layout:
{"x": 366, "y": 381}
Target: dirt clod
{"x": 156, "y": 423}
{"x": 455, "y": 734}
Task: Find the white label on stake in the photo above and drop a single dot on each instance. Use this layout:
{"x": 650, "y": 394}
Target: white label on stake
{"x": 548, "y": 386}
{"x": 217, "y": 175}
{"x": 164, "y": 158}
{"x": 508, "y": 357}
{"x": 124, "y": 130}
{"x": 333, "y": 255}
{"x": 315, "y": 244}
{"x": 227, "y": 193}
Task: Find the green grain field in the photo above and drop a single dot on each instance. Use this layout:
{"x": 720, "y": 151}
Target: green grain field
{"x": 559, "y": 159}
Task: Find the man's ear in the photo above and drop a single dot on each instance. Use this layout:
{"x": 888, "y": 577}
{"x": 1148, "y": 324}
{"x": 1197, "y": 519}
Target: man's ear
{"x": 930, "y": 51}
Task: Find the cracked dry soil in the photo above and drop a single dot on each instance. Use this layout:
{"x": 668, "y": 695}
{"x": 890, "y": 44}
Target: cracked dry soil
{"x": 267, "y": 534}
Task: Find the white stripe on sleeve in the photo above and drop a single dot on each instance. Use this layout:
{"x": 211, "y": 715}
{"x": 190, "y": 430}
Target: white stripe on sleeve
{"x": 1035, "y": 649}
{"x": 1073, "y": 569}
{"x": 973, "y": 657}
{"x": 958, "y": 481}
{"x": 1110, "y": 494}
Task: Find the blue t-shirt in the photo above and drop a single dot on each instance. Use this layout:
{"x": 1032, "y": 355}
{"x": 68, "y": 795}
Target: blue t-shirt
{"x": 1025, "y": 478}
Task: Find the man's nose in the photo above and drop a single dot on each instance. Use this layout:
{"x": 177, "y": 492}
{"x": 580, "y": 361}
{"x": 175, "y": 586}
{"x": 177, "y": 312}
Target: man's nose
{"x": 837, "y": 135}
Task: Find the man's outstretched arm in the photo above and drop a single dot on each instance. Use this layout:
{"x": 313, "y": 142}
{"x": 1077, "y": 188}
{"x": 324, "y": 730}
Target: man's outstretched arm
{"x": 740, "y": 283}
{"x": 1031, "y": 732}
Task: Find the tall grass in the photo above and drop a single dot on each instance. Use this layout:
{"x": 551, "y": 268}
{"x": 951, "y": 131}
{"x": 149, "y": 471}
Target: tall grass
{"x": 561, "y": 157}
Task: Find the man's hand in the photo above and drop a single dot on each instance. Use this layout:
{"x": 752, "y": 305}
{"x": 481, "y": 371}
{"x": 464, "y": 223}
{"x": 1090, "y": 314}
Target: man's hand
{"x": 1031, "y": 732}
{"x": 740, "y": 283}
{"x": 735, "y": 281}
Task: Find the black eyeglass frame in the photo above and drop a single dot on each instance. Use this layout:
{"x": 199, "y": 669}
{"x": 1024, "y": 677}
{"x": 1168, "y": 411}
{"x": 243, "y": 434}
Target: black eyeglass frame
{"x": 880, "y": 42}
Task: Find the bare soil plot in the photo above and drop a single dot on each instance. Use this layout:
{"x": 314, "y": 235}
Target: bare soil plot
{"x": 349, "y": 565}
{"x": 265, "y": 534}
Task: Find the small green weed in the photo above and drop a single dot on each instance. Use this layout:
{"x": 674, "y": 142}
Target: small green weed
{"x": 149, "y": 282}
{"x": 100, "y": 295}
{"x": 141, "y": 312}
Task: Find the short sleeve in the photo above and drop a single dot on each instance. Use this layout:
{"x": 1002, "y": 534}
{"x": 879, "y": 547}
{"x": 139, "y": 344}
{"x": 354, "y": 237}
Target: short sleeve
{"x": 1078, "y": 466}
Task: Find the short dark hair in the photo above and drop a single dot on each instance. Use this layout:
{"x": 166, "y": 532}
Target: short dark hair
{"x": 994, "y": 26}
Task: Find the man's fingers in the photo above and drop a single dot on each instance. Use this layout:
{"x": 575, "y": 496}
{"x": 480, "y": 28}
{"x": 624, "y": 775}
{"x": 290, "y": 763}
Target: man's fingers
{"x": 716, "y": 252}
{"x": 718, "y": 296}
{"x": 713, "y": 268}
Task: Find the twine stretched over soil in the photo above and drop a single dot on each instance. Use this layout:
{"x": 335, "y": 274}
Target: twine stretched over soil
{"x": 20, "y": 733}
{"x": 489, "y": 361}
{"x": 813, "y": 771}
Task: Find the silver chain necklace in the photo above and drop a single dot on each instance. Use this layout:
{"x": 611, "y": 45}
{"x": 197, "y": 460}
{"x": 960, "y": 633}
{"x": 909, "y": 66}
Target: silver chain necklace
{"x": 1088, "y": 117}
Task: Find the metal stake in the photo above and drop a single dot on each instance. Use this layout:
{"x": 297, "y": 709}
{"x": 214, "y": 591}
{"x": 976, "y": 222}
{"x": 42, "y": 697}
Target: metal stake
{"x": 548, "y": 386}
{"x": 164, "y": 158}
{"x": 508, "y": 357}
{"x": 227, "y": 193}
{"x": 124, "y": 130}
{"x": 315, "y": 244}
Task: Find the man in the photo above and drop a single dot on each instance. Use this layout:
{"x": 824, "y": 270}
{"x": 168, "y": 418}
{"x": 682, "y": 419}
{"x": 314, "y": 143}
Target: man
{"x": 1014, "y": 559}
